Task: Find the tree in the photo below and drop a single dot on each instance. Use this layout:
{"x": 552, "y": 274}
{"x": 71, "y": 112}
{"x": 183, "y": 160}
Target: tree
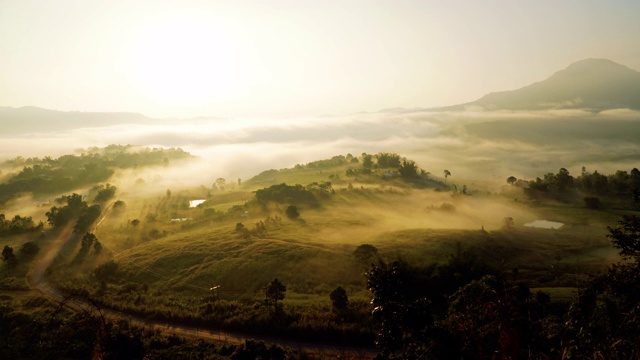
{"x": 605, "y": 319}
{"x": 97, "y": 247}
{"x": 135, "y": 222}
{"x": 511, "y": 180}
{"x": 365, "y": 252}
{"x": 74, "y": 201}
{"x": 8, "y": 256}
{"x": 489, "y": 317}
{"x": 634, "y": 179}
{"x": 386, "y": 160}
{"x": 106, "y": 271}
{"x": 626, "y": 237}
{"x": 339, "y": 299}
{"x": 292, "y": 212}
{"x": 367, "y": 161}
{"x": 29, "y": 249}
{"x": 105, "y": 193}
{"x": 447, "y": 173}
{"x": 563, "y": 180}
{"x": 389, "y": 309}
{"x": 220, "y": 183}
{"x": 88, "y": 217}
{"x": 507, "y": 222}
{"x": 87, "y": 240}
{"x": 275, "y": 291}
{"x": 408, "y": 169}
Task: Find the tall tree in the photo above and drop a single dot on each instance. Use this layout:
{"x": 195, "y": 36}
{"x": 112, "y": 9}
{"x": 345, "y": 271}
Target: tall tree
{"x": 367, "y": 161}
{"x": 275, "y": 292}
{"x": 408, "y": 169}
{"x": 339, "y": 299}
{"x": 447, "y": 173}
{"x": 87, "y": 240}
{"x": 8, "y": 256}
{"x": 626, "y": 236}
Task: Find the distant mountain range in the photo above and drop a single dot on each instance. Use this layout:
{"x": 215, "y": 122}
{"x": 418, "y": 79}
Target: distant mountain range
{"x": 593, "y": 84}
{"x": 33, "y": 119}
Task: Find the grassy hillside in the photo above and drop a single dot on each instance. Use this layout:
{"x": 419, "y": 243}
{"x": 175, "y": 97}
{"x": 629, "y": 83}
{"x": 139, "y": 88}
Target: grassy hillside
{"x": 314, "y": 253}
{"x": 162, "y": 258}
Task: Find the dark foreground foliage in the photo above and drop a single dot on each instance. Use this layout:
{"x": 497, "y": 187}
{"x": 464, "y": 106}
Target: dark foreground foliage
{"x": 56, "y": 333}
{"x": 419, "y": 315}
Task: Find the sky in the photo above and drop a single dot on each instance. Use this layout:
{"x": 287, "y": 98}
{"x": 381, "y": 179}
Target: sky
{"x": 183, "y": 59}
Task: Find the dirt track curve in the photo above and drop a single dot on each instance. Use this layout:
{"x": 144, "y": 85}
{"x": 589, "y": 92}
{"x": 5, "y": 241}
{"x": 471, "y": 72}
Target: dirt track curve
{"x": 38, "y": 281}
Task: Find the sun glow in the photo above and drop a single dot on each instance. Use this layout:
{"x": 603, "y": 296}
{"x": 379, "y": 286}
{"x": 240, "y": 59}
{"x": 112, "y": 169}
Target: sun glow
{"x": 190, "y": 61}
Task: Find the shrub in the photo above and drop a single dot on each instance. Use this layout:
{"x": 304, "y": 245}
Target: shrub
{"x": 106, "y": 271}
{"x": 29, "y": 249}
{"x": 292, "y": 212}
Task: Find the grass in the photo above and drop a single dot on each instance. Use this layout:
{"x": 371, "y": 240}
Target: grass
{"x": 167, "y": 269}
{"x": 313, "y": 254}
{"x": 559, "y": 294}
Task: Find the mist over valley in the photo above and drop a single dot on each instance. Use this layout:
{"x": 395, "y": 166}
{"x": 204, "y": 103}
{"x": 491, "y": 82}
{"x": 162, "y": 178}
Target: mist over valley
{"x": 302, "y": 180}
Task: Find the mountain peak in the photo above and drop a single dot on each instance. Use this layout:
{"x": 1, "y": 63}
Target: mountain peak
{"x": 594, "y": 84}
{"x": 599, "y": 67}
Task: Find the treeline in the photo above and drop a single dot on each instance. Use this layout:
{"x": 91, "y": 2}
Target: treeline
{"x": 48, "y": 175}
{"x": 295, "y": 194}
{"x": 18, "y": 225}
{"x": 75, "y": 208}
{"x": 467, "y": 311}
{"x": 391, "y": 162}
{"x": 564, "y": 186}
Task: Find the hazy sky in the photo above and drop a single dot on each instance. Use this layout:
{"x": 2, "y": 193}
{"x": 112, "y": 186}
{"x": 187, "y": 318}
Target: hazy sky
{"x": 228, "y": 58}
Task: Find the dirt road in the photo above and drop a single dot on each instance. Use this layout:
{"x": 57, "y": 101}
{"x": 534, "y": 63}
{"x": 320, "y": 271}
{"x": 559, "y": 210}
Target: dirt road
{"x": 38, "y": 281}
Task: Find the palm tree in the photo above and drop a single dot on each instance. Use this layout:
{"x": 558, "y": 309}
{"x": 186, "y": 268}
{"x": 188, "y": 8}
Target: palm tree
{"x": 447, "y": 173}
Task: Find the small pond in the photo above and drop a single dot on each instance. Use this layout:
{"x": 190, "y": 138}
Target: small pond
{"x": 545, "y": 224}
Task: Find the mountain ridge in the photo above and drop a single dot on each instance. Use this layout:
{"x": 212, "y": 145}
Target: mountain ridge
{"x": 28, "y": 119}
{"x": 593, "y": 84}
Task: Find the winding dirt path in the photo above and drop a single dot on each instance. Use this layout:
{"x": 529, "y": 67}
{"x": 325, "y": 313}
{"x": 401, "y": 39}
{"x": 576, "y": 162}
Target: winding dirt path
{"x": 38, "y": 281}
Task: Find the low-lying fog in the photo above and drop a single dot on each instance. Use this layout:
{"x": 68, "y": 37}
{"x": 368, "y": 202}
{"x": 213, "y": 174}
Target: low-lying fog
{"x": 474, "y": 145}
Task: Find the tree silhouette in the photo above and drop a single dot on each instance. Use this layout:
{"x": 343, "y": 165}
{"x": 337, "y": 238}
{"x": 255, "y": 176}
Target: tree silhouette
{"x": 8, "y": 256}
{"x": 511, "y": 180}
{"x": 367, "y": 161}
{"x": 626, "y": 237}
{"x": 292, "y": 212}
{"x": 339, "y": 299}
{"x": 275, "y": 291}
{"x": 408, "y": 169}
{"x": 97, "y": 247}
{"x": 447, "y": 173}
{"x": 365, "y": 252}
{"x": 87, "y": 241}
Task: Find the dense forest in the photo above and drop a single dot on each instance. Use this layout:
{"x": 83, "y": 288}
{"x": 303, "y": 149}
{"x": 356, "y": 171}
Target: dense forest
{"x": 91, "y": 166}
{"x": 563, "y": 186}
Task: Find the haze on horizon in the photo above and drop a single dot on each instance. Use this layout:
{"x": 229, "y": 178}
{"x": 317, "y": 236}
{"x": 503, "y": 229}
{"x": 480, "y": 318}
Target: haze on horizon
{"x": 295, "y": 58}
